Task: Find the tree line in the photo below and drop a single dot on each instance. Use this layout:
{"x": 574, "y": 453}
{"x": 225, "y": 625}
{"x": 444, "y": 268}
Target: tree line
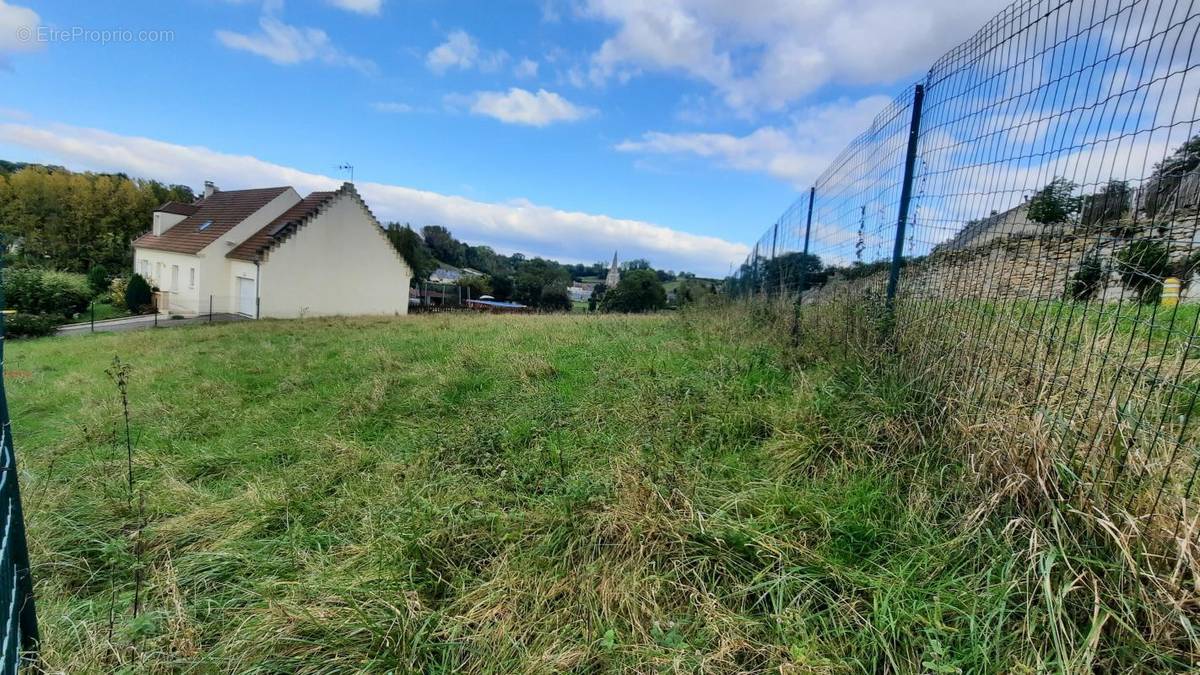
{"x": 55, "y": 219}
{"x": 72, "y": 221}
{"x": 535, "y": 282}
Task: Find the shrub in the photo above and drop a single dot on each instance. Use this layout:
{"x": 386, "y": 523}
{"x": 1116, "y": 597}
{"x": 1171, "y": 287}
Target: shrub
{"x": 137, "y": 294}
{"x": 40, "y": 291}
{"x": 1087, "y": 280}
{"x": 639, "y": 291}
{"x": 555, "y": 298}
{"x": 1054, "y": 203}
{"x": 22, "y": 324}
{"x": 1143, "y": 265}
{"x": 116, "y": 291}
{"x": 97, "y": 278}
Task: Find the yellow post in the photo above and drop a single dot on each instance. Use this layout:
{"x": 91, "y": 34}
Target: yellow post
{"x": 1170, "y": 292}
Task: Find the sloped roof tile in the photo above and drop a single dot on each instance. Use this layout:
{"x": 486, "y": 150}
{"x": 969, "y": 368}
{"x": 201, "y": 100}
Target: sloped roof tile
{"x": 225, "y": 209}
{"x": 253, "y": 247}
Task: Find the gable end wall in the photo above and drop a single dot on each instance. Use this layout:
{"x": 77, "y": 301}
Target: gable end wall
{"x": 341, "y": 247}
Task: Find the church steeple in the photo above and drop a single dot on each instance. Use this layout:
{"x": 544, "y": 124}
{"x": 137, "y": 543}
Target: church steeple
{"x": 614, "y": 275}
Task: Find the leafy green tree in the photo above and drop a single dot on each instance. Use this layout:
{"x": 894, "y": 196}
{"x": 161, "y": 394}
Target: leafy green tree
{"x": 444, "y": 246}
{"x": 639, "y": 291}
{"x": 412, "y": 248}
{"x": 792, "y": 270}
{"x": 1054, "y": 203}
{"x": 1143, "y": 265}
{"x": 486, "y": 260}
{"x": 477, "y": 285}
{"x": 502, "y": 287}
{"x": 691, "y": 290}
{"x": 73, "y": 221}
{"x": 555, "y": 298}
{"x": 538, "y": 281}
{"x": 97, "y": 278}
{"x": 137, "y": 294}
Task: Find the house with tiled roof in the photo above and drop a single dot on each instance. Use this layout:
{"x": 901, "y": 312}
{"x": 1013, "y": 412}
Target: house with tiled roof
{"x": 268, "y": 252}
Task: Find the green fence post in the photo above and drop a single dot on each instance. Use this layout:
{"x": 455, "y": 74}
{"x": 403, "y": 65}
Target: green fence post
{"x": 910, "y": 162}
{"x": 812, "y": 194}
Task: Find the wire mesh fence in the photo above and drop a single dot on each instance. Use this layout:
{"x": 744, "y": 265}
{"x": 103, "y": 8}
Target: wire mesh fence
{"x": 1022, "y": 228}
{"x": 17, "y": 617}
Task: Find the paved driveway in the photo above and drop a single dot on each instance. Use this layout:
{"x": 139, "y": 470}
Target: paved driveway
{"x": 141, "y": 323}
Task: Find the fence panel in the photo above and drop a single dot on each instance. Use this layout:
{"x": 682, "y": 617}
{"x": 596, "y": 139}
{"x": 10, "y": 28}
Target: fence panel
{"x": 1049, "y": 257}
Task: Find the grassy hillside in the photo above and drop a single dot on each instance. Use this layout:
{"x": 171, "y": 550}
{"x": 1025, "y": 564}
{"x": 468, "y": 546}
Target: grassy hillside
{"x": 532, "y": 494}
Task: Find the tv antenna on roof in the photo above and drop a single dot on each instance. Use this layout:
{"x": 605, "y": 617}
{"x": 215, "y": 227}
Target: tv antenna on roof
{"x": 347, "y": 167}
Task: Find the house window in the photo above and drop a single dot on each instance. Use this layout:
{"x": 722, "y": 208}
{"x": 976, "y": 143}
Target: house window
{"x": 144, "y": 268}
{"x": 174, "y": 278}
{"x": 191, "y": 277}
{"x": 158, "y": 274}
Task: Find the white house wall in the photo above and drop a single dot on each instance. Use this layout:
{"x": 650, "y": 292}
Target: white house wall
{"x": 226, "y": 270}
{"x": 216, "y": 279}
{"x": 338, "y": 263}
{"x": 185, "y": 299}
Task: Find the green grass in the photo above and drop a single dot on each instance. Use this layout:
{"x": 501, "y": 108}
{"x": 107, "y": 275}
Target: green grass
{"x": 104, "y": 310}
{"x": 107, "y": 310}
{"x": 524, "y": 494}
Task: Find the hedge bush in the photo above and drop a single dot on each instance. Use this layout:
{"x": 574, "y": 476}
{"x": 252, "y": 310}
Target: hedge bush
{"x": 40, "y": 291}
{"x": 116, "y": 291}
{"x": 30, "y": 325}
{"x": 138, "y": 296}
{"x": 97, "y": 278}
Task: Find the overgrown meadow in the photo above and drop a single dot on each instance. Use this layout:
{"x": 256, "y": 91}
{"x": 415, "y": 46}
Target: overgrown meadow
{"x": 679, "y": 493}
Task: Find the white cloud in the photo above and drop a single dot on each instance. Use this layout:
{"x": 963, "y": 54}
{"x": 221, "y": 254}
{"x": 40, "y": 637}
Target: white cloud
{"x": 370, "y": 7}
{"x": 392, "y": 107}
{"x": 514, "y": 226}
{"x": 550, "y": 11}
{"x": 285, "y": 44}
{"x": 526, "y": 68}
{"x": 519, "y": 106}
{"x": 774, "y": 52}
{"x": 795, "y": 153}
{"x": 18, "y": 30}
{"x": 462, "y": 52}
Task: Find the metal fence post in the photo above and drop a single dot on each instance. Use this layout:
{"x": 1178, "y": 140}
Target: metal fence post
{"x": 210, "y": 305}
{"x": 754, "y": 273}
{"x": 774, "y": 241}
{"x": 812, "y": 194}
{"x": 910, "y": 162}
{"x": 93, "y": 316}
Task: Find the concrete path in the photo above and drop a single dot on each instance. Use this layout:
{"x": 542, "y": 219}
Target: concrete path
{"x": 142, "y": 322}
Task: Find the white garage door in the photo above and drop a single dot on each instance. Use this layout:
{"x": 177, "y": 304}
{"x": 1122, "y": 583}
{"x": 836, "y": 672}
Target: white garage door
{"x": 246, "y": 297}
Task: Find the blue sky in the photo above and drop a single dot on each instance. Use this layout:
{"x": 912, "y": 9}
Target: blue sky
{"x": 675, "y": 130}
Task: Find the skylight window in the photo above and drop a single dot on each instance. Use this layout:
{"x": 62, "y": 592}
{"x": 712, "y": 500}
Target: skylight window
{"x": 204, "y": 225}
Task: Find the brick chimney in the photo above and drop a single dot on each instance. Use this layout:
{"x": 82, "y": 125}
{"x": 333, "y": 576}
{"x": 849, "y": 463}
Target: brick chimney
{"x": 209, "y": 189}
